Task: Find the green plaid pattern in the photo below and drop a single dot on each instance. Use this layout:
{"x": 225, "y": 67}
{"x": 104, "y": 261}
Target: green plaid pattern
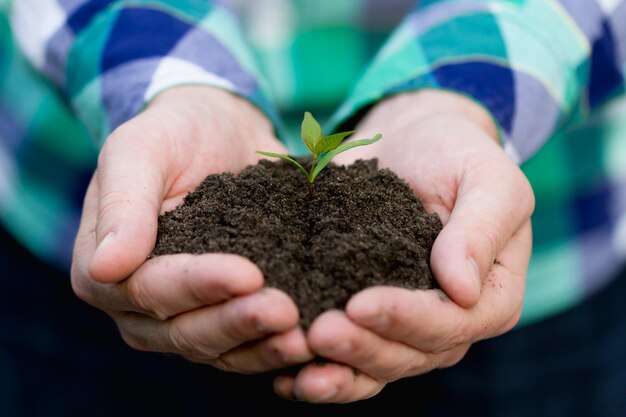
{"x": 551, "y": 73}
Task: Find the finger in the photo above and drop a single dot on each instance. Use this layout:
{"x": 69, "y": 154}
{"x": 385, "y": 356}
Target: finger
{"x": 490, "y": 207}
{"x": 283, "y": 385}
{"x": 276, "y": 352}
{"x": 334, "y": 336}
{"x": 131, "y": 188}
{"x": 328, "y": 383}
{"x": 424, "y": 319}
{"x": 430, "y": 322}
{"x": 171, "y": 284}
{"x": 85, "y": 245}
{"x": 206, "y": 333}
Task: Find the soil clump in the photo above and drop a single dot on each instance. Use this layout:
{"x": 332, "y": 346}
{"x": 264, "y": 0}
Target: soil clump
{"x": 361, "y": 226}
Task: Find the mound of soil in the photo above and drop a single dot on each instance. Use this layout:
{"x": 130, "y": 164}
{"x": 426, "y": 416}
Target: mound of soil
{"x": 362, "y": 226}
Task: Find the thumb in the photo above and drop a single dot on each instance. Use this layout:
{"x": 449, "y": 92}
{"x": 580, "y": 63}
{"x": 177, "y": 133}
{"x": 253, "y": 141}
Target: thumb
{"x": 491, "y": 205}
{"x": 130, "y": 191}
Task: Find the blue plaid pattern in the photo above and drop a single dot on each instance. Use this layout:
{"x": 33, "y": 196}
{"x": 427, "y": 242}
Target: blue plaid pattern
{"x": 551, "y": 73}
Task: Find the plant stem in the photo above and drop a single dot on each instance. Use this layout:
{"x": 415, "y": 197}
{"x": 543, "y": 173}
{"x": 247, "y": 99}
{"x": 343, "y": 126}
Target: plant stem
{"x": 313, "y": 164}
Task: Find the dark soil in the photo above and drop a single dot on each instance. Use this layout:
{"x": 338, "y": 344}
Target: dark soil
{"x": 362, "y": 226}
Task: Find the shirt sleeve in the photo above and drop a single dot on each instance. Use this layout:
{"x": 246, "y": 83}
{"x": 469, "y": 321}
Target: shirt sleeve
{"x": 535, "y": 65}
{"x": 110, "y": 58}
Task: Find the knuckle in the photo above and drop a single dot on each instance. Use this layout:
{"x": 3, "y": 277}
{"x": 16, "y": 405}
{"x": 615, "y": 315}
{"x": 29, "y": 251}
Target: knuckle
{"x": 142, "y": 297}
{"x": 455, "y": 356}
{"x": 423, "y": 364}
{"x": 199, "y": 359}
{"x": 135, "y": 342}
{"x": 184, "y": 344}
{"x": 225, "y": 366}
{"x": 180, "y": 341}
{"x": 460, "y": 334}
{"x": 220, "y": 362}
{"x": 82, "y": 291}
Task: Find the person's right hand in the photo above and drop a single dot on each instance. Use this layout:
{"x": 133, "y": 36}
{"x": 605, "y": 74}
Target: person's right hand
{"x": 209, "y": 308}
{"x": 446, "y": 147}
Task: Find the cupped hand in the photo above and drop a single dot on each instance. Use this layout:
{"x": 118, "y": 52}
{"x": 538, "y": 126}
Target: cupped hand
{"x": 446, "y": 147}
{"x": 209, "y": 308}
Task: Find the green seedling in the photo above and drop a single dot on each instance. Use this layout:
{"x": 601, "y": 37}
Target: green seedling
{"x": 324, "y": 148}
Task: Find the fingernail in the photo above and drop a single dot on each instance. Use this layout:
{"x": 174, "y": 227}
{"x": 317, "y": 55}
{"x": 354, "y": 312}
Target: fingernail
{"x": 259, "y": 326}
{"x": 286, "y": 396}
{"x": 103, "y": 243}
{"x": 278, "y": 354}
{"x": 283, "y": 389}
{"x": 475, "y": 273}
{"x": 329, "y": 395}
{"x": 379, "y": 321}
{"x": 342, "y": 348}
{"x": 106, "y": 240}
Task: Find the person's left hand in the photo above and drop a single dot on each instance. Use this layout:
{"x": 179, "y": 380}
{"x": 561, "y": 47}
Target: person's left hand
{"x": 445, "y": 147}
{"x": 211, "y": 308}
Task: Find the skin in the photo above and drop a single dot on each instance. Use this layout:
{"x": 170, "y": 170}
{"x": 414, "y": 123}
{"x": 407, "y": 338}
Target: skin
{"x": 208, "y": 308}
{"x": 213, "y": 309}
{"x": 446, "y": 147}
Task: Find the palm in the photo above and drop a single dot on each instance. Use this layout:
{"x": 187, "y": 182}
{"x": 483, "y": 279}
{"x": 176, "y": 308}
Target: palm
{"x": 188, "y": 152}
{"x": 209, "y": 308}
{"x": 460, "y": 172}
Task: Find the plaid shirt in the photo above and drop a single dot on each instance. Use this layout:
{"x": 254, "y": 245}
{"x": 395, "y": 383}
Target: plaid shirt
{"x": 551, "y": 73}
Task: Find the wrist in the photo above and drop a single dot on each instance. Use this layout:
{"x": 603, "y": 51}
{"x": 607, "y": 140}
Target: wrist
{"x": 425, "y": 104}
{"x": 206, "y": 100}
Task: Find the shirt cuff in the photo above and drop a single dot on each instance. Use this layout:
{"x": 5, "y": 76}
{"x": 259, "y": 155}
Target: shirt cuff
{"x": 129, "y": 55}
{"x": 520, "y": 61}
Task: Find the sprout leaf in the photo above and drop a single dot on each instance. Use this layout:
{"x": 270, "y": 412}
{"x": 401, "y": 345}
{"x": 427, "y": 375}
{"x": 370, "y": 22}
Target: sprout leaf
{"x": 341, "y": 148}
{"x": 324, "y": 148}
{"x": 311, "y": 131}
{"x": 286, "y": 158}
{"x": 328, "y": 143}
